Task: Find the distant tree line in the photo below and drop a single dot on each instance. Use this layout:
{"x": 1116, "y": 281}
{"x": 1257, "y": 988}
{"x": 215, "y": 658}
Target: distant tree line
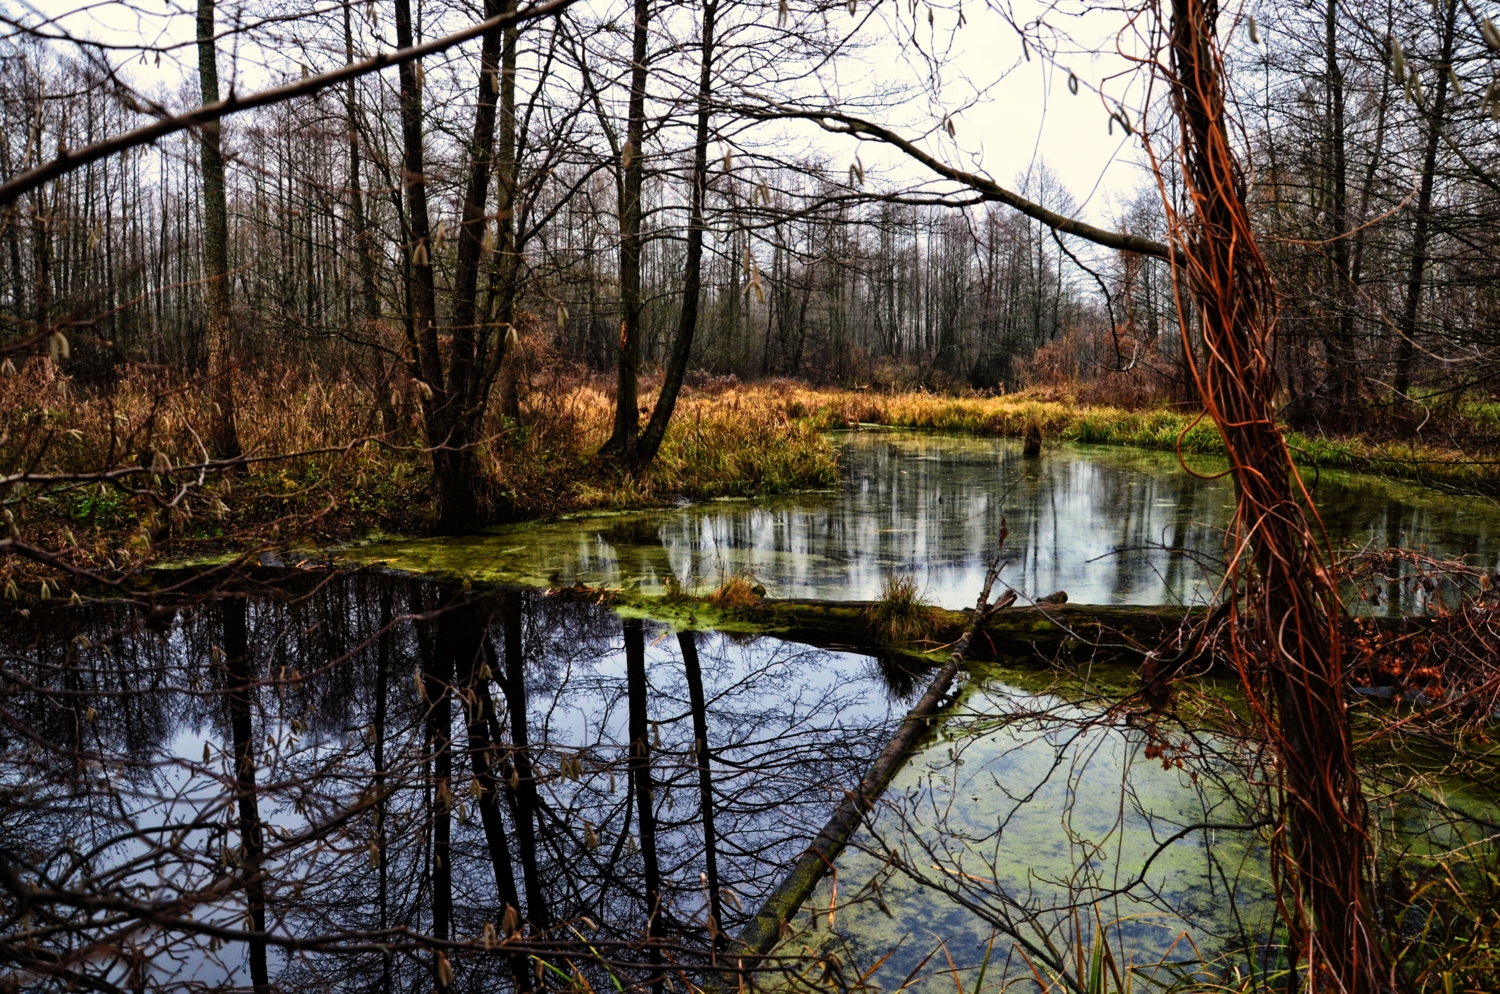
{"x": 538, "y": 187}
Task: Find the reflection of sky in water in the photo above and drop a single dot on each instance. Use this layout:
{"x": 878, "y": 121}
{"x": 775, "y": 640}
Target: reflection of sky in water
{"x": 1107, "y": 524}
{"x": 792, "y": 729}
{"x": 1020, "y": 808}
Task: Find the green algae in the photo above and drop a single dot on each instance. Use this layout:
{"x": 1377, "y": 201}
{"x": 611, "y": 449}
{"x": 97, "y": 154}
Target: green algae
{"x": 1109, "y": 525}
{"x": 1022, "y": 814}
{"x": 1016, "y": 813}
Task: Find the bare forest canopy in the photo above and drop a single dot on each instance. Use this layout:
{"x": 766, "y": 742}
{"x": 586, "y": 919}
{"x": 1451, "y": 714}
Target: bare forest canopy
{"x": 1375, "y": 193}
{"x": 285, "y": 254}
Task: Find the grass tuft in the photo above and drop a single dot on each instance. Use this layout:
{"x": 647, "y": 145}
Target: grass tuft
{"x": 737, "y": 591}
{"x": 900, "y": 616}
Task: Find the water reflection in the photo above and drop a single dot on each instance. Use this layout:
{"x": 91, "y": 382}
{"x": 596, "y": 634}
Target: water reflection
{"x": 1107, "y": 524}
{"x": 1037, "y": 825}
{"x": 314, "y": 791}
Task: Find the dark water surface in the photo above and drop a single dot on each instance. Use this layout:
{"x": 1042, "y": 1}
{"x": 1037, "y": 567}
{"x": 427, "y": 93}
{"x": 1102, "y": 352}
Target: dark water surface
{"x": 374, "y": 714}
{"x": 376, "y": 764}
{"x": 1107, "y": 524}
{"x": 119, "y": 776}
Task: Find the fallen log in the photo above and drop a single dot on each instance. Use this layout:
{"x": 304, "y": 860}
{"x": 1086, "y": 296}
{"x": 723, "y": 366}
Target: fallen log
{"x": 1102, "y": 633}
{"x": 764, "y": 930}
{"x": 1099, "y": 632}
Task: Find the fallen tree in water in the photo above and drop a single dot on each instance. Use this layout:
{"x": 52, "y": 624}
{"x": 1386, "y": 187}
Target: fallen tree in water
{"x": 764, "y": 931}
{"x": 1106, "y": 633}
{"x": 1102, "y": 633}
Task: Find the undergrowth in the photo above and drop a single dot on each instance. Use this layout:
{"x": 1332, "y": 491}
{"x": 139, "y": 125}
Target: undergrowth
{"x": 353, "y": 475}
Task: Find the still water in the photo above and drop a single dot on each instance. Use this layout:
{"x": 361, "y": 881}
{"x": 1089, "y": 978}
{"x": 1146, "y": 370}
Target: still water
{"x": 402, "y": 759}
{"x": 118, "y": 778}
{"x": 362, "y": 779}
{"x": 1109, "y": 525}
{"x": 1037, "y": 823}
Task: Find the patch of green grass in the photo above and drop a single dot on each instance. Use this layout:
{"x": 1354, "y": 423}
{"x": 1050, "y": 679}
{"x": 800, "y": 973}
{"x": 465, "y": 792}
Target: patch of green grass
{"x": 1149, "y": 429}
{"x": 102, "y": 507}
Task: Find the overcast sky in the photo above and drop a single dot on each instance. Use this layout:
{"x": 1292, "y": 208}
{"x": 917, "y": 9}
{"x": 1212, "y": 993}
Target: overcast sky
{"x": 1019, "y": 112}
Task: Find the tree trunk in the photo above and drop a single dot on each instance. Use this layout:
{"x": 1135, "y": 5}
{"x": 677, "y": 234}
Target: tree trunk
{"x": 41, "y": 263}
{"x": 1293, "y": 632}
{"x": 1345, "y": 363}
{"x": 692, "y": 280}
{"x": 633, "y": 165}
{"x": 422, "y": 328}
{"x": 364, "y": 245}
{"x": 242, "y": 728}
{"x": 466, "y": 387}
{"x": 508, "y": 259}
{"x": 224, "y": 435}
{"x": 1406, "y": 347}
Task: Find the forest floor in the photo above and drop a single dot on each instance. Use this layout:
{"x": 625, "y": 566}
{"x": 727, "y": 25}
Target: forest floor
{"x": 353, "y": 478}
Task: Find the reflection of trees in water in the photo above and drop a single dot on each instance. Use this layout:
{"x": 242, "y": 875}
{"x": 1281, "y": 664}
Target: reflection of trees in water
{"x": 381, "y": 763}
{"x": 1036, "y": 822}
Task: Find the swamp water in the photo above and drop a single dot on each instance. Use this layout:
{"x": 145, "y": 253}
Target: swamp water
{"x": 1035, "y": 821}
{"x": 1107, "y": 524}
{"x": 120, "y": 775}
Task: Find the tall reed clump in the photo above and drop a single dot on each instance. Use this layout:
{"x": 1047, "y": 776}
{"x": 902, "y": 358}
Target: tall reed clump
{"x": 1447, "y": 922}
{"x": 900, "y": 616}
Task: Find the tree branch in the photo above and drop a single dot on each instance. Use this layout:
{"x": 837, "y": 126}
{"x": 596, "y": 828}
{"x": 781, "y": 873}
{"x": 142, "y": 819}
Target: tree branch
{"x": 844, "y": 124}
{"x": 68, "y": 160}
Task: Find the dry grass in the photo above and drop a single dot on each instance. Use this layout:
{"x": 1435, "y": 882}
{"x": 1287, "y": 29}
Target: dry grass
{"x": 353, "y": 477}
{"x": 727, "y": 439}
{"x": 724, "y": 444}
{"x": 1448, "y": 922}
{"x": 1061, "y": 416}
{"x": 737, "y": 591}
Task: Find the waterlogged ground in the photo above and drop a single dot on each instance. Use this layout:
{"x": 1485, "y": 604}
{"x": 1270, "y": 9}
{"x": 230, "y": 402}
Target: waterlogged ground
{"x": 1109, "y": 525}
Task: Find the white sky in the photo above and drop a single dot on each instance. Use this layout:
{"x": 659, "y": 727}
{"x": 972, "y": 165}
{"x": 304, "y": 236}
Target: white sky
{"x": 1024, "y": 112}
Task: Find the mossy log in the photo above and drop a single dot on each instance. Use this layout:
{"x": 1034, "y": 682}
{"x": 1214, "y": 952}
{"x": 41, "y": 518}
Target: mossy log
{"x": 1083, "y": 631}
{"x": 1107, "y": 634}
{"x": 1073, "y": 632}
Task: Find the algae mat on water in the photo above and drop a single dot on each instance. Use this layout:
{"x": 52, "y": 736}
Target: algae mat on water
{"x": 1109, "y": 525}
{"x": 1038, "y": 823}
